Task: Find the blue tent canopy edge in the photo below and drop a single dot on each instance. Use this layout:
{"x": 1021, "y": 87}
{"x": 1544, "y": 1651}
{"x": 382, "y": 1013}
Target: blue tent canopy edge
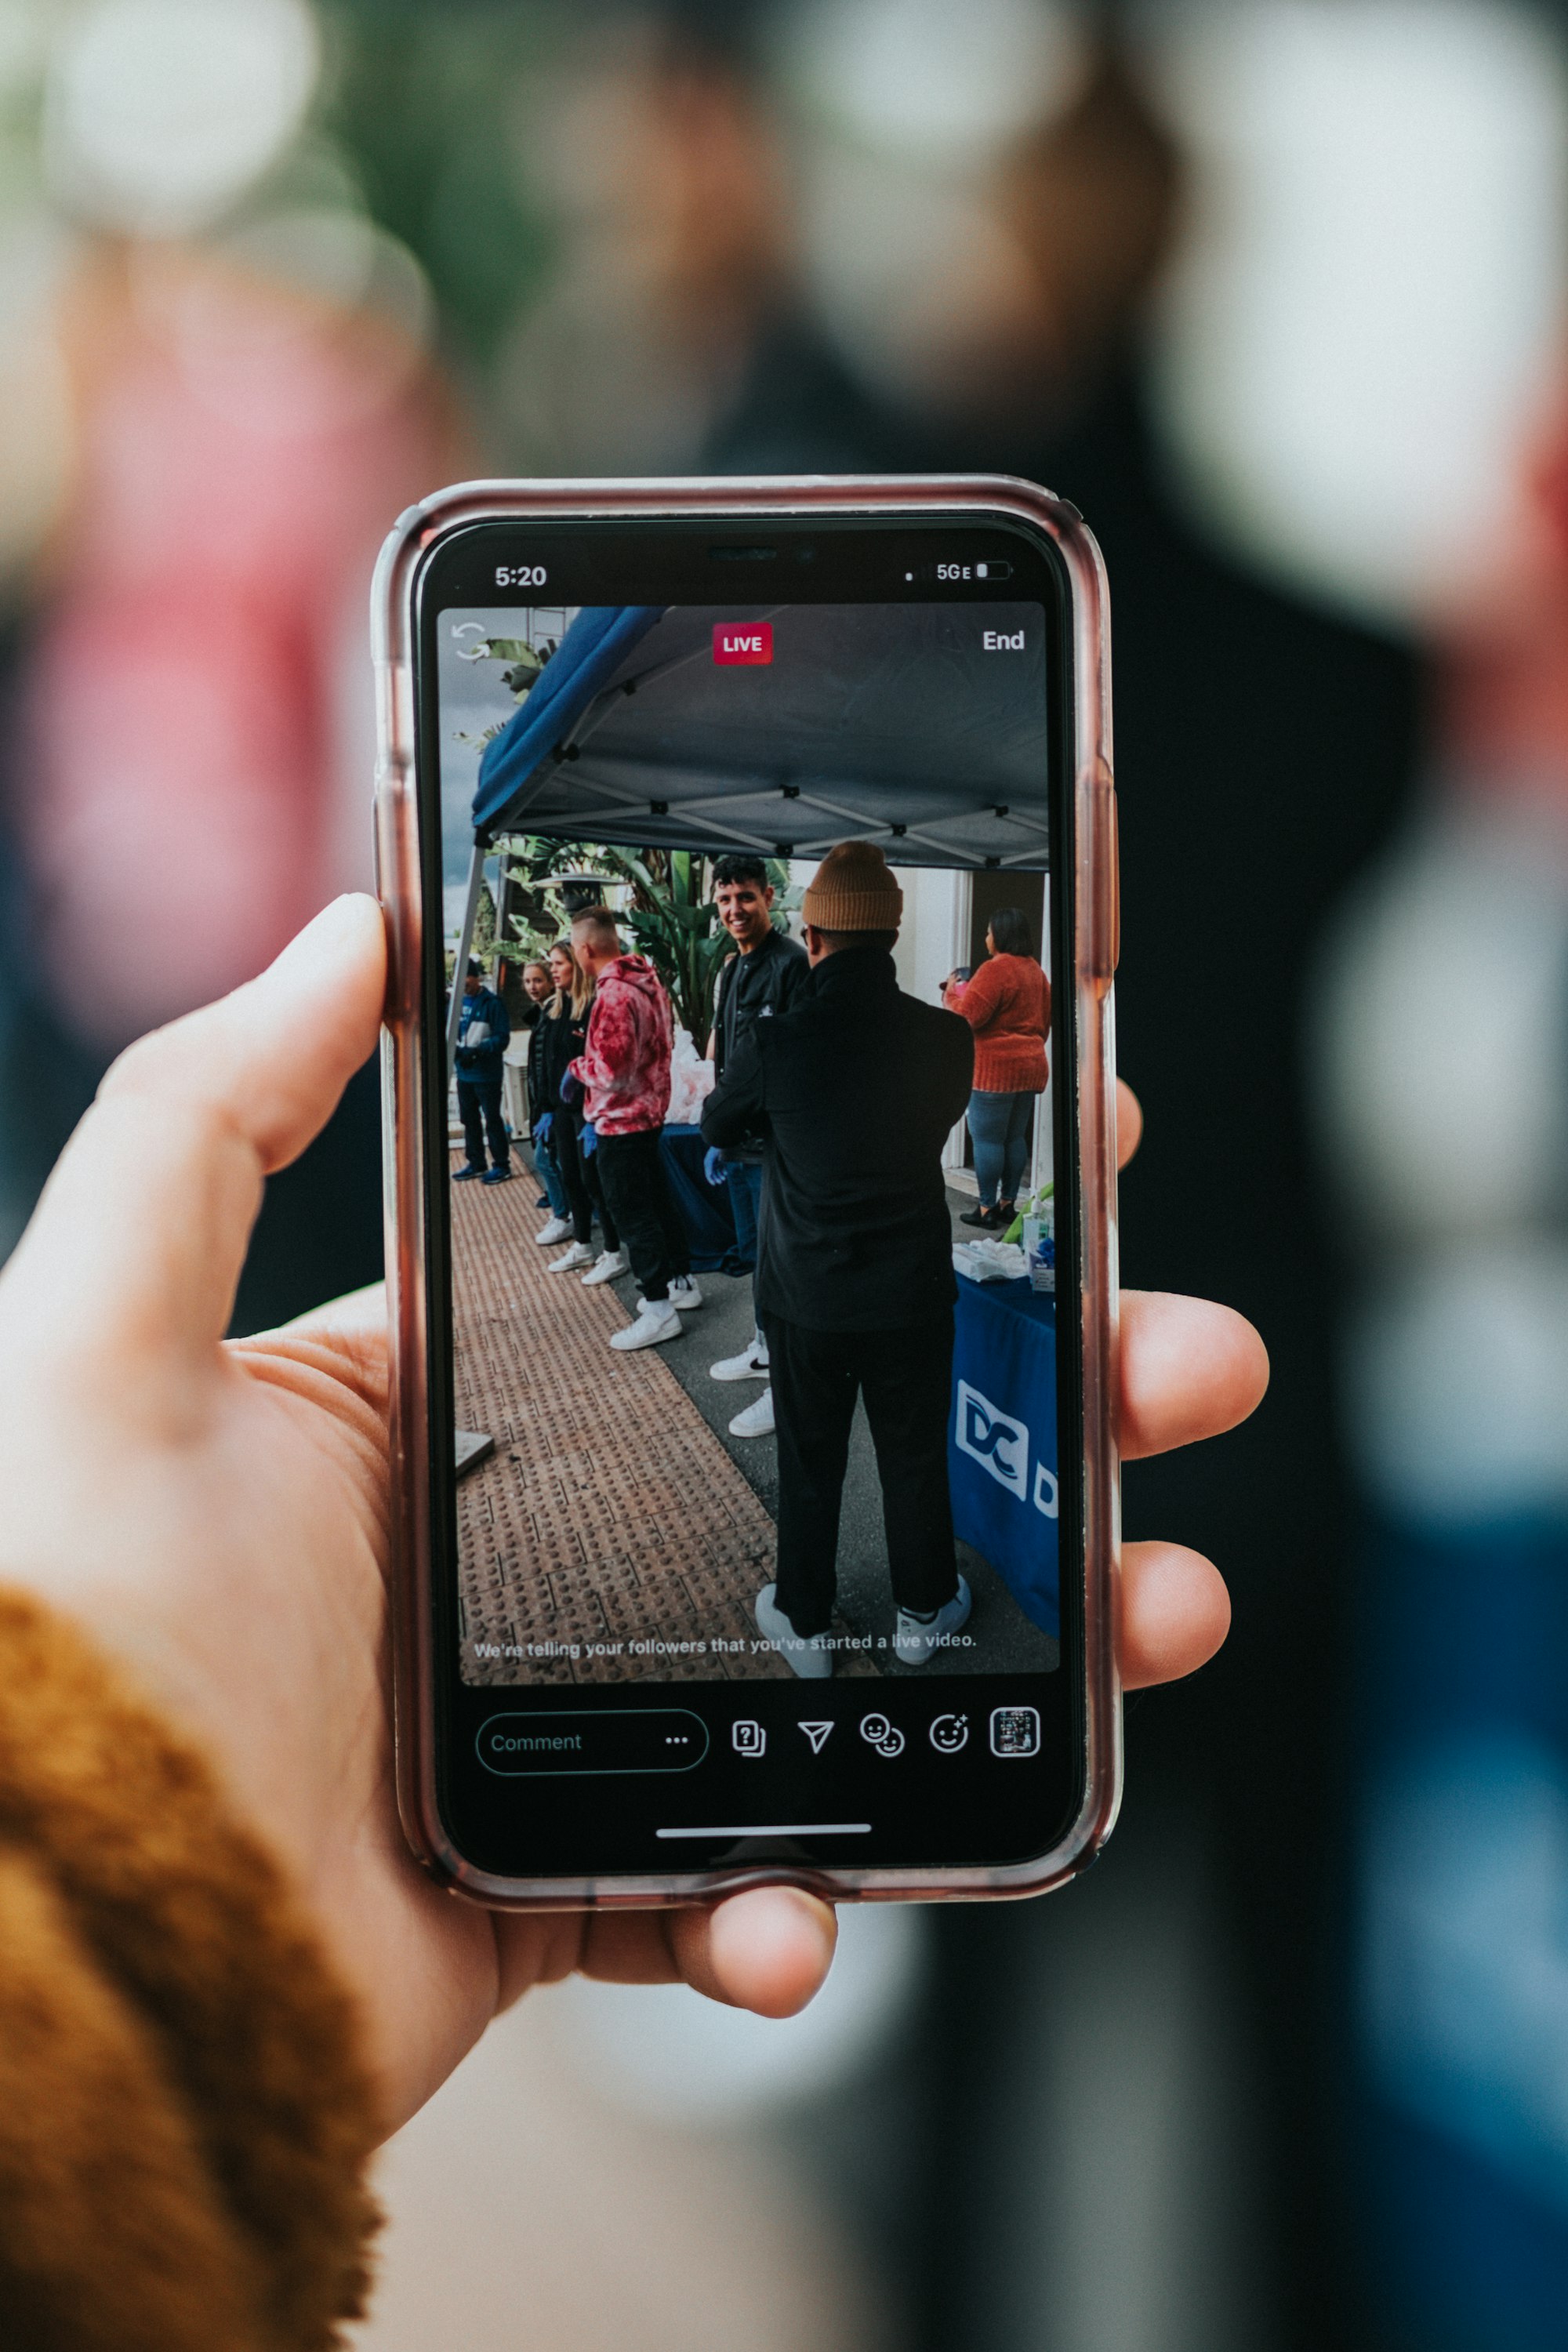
{"x": 582, "y": 666}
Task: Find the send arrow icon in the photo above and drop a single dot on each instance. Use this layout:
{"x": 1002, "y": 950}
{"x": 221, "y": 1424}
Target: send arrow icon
{"x": 817, "y": 1734}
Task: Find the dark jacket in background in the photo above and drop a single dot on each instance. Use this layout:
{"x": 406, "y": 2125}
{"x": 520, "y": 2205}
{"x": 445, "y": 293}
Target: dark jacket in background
{"x": 856, "y": 1090}
{"x": 538, "y": 1099}
{"x": 1264, "y": 752}
{"x": 752, "y": 988}
{"x": 558, "y": 1040}
{"x": 480, "y": 1065}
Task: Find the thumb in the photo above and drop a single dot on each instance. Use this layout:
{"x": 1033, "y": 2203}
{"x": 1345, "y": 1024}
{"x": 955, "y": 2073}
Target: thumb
{"x": 272, "y": 1058}
{"x": 142, "y": 1229}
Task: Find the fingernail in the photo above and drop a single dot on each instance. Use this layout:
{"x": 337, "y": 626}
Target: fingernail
{"x": 808, "y": 1911}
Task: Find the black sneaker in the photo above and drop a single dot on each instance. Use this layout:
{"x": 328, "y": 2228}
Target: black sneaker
{"x": 978, "y": 1216}
{"x": 497, "y": 1176}
{"x": 465, "y": 1175}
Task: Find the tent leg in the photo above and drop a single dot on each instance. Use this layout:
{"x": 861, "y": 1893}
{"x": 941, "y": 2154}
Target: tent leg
{"x": 501, "y": 879}
{"x": 465, "y": 942}
{"x": 961, "y": 913}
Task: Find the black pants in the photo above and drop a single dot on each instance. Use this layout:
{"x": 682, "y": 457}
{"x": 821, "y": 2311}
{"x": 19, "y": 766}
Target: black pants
{"x": 579, "y": 1176}
{"x": 638, "y": 1198}
{"x": 478, "y": 1108}
{"x": 906, "y": 1378}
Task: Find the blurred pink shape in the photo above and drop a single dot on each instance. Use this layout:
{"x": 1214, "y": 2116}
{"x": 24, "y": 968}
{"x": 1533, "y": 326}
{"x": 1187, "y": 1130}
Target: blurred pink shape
{"x": 1502, "y": 699}
{"x": 198, "y": 700}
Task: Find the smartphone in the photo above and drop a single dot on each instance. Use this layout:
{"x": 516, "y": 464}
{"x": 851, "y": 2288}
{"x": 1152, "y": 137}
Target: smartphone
{"x": 756, "y": 1516}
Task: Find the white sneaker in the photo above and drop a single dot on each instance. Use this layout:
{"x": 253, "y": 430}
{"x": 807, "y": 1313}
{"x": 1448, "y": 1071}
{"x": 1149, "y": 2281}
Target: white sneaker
{"x": 915, "y": 1644}
{"x": 606, "y": 1268}
{"x": 557, "y": 1230}
{"x": 751, "y": 1364}
{"x": 808, "y": 1655}
{"x": 570, "y": 1260}
{"x": 657, "y": 1323}
{"x": 683, "y": 1293}
{"x": 757, "y": 1421}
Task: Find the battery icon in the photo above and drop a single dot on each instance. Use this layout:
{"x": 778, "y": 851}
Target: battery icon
{"x": 993, "y": 571}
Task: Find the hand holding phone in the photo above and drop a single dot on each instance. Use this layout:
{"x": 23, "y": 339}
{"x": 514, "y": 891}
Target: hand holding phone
{"x": 246, "y": 1590}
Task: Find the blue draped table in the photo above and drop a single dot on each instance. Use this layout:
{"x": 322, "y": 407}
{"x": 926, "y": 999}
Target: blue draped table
{"x": 1002, "y": 1439}
{"x": 704, "y": 1208}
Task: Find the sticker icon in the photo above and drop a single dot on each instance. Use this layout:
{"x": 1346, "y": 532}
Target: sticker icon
{"x": 818, "y": 1735}
{"x": 949, "y": 1733}
{"x": 1014, "y": 1731}
{"x": 883, "y": 1736}
{"x": 749, "y": 1738}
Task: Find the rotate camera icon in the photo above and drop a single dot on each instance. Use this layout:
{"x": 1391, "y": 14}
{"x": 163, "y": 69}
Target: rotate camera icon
{"x": 882, "y": 1735}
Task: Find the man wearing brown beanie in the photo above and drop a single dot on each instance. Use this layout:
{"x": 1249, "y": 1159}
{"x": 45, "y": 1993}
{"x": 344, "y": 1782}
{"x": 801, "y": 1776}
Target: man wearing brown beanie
{"x": 857, "y": 1089}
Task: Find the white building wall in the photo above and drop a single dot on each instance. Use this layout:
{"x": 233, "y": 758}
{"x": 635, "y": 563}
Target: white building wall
{"x": 933, "y": 940}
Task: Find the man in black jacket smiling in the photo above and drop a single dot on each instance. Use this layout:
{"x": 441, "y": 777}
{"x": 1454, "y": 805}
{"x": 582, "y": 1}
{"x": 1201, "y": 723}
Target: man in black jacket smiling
{"x": 855, "y": 1089}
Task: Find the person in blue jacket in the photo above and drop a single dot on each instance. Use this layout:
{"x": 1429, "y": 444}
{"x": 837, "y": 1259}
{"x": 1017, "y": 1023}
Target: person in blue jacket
{"x": 484, "y": 1033}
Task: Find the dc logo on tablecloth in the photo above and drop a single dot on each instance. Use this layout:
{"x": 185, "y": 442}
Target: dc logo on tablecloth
{"x": 993, "y": 1439}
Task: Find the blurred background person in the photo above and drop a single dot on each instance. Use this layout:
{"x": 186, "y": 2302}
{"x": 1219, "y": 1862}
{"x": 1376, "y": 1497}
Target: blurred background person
{"x": 217, "y": 374}
{"x": 1265, "y": 745}
{"x": 1443, "y": 1035}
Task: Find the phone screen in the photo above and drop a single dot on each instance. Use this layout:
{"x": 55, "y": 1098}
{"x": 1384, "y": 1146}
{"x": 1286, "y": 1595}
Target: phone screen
{"x": 752, "y": 1194}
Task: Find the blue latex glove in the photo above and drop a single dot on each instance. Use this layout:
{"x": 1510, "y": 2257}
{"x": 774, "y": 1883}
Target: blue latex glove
{"x": 571, "y": 1088}
{"x": 713, "y": 1165}
{"x": 590, "y": 1138}
{"x": 541, "y": 1127}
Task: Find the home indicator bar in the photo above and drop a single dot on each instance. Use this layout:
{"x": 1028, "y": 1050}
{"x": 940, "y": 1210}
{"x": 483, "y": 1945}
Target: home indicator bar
{"x": 775, "y": 1829}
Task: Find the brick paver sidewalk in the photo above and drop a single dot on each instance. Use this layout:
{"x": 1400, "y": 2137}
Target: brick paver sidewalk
{"x": 609, "y": 1514}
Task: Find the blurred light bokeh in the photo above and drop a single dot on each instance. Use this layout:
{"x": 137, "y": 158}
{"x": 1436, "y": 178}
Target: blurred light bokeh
{"x": 1274, "y": 290}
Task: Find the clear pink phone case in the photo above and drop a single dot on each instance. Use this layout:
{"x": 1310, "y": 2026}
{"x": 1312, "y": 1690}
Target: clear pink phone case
{"x": 1096, "y": 903}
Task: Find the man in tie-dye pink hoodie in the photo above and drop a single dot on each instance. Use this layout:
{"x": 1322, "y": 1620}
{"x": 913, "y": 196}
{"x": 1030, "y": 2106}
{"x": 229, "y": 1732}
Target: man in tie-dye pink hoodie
{"x": 623, "y": 1070}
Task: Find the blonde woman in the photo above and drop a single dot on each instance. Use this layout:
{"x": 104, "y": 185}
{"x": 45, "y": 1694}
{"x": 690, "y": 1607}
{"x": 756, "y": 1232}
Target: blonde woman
{"x": 566, "y": 1026}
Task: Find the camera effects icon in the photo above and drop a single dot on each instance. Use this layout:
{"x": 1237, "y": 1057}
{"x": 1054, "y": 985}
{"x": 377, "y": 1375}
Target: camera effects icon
{"x": 883, "y": 1736}
{"x": 949, "y": 1733}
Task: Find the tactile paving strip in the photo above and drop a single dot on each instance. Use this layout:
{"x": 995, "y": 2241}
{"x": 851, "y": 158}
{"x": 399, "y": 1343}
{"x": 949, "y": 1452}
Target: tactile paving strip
{"x": 609, "y": 1518}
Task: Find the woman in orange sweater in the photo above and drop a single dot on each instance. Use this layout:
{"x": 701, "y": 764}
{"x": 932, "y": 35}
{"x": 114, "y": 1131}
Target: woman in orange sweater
{"x": 1008, "y": 1006}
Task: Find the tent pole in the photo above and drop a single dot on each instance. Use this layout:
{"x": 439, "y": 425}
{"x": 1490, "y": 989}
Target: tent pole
{"x": 500, "y": 902}
{"x": 465, "y": 942}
